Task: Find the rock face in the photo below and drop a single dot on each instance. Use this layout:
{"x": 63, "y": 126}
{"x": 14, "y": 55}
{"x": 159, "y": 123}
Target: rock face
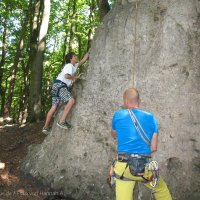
{"x": 154, "y": 46}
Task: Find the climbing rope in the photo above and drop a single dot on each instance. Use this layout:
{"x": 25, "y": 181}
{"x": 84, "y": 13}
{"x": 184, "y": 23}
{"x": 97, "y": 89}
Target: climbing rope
{"x": 135, "y": 39}
{"x": 153, "y": 165}
{"x": 153, "y": 42}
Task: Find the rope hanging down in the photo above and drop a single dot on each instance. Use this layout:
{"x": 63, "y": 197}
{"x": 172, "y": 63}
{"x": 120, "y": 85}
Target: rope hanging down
{"x": 135, "y": 39}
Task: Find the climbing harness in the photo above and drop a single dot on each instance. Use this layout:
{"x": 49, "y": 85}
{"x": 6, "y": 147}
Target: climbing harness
{"x": 136, "y": 162}
{"x": 150, "y": 175}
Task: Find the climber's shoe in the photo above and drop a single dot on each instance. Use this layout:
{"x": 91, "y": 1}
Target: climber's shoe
{"x": 46, "y": 130}
{"x": 64, "y": 125}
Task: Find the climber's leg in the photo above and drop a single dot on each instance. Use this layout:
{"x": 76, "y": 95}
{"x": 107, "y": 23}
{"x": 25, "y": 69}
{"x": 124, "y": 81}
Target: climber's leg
{"x": 67, "y": 108}
{"x": 161, "y": 192}
{"x": 50, "y": 115}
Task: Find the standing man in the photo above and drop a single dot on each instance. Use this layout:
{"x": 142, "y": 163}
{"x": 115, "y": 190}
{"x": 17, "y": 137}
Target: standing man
{"x": 61, "y": 90}
{"x": 134, "y": 148}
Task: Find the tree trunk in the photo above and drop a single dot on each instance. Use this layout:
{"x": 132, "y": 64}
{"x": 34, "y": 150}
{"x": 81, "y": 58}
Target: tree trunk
{"x": 24, "y": 94}
{"x": 64, "y": 50}
{"x": 14, "y": 68}
{"x": 37, "y": 66}
{"x": 3, "y": 55}
{"x": 70, "y": 38}
{"x": 69, "y": 18}
{"x": 79, "y": 46}
{"x": 91, "y": 18}
{"x": 71, "y": 34}
{"x": 23, "y": 104}
{"x": 104, "y": 8}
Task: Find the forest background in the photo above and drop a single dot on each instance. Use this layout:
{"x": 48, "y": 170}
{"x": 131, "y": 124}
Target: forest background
{"x": 34, "y": 37}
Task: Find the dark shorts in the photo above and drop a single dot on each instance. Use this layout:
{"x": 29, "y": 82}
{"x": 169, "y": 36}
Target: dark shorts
{"x": 60, "y": 92}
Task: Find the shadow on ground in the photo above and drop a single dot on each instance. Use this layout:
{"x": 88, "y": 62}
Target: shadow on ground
{"x": 14, "y": 142}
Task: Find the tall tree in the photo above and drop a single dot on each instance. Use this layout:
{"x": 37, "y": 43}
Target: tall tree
{"x": 66, "y": 20}
{"x": 70, "y": 16}
{"x": 24, "y": 91}
{"x": 72, "y": 25}
{"x": 91, "y": 19}
{"x": 3, "y": 56}
{"x": 14, "y": 68}
{"x": 37, "y": 63}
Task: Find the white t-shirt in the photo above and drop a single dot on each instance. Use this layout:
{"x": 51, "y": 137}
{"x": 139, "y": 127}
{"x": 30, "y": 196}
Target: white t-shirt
{"x": 67, "y": 69}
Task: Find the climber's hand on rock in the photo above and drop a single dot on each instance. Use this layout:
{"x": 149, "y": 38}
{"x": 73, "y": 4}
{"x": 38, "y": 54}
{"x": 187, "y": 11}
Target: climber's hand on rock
{"x": 79, "y": 76}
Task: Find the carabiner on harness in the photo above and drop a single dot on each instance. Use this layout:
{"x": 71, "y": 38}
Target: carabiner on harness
{"x": 153, "y": 166}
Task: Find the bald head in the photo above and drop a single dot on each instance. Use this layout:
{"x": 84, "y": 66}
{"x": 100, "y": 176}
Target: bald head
{"x": 131, "y": 96}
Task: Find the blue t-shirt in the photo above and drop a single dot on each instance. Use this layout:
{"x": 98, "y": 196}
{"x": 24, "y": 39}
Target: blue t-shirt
{"x": 129, "y": 140}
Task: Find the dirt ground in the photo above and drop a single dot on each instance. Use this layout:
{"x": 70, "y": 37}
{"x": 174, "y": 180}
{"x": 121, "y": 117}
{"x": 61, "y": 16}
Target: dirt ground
{"x": 14, "y": 142}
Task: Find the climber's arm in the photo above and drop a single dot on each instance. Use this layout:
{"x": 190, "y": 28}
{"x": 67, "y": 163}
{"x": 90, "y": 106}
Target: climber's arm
{"x": 73, "y": 77}
{"x": 83, "y": 60}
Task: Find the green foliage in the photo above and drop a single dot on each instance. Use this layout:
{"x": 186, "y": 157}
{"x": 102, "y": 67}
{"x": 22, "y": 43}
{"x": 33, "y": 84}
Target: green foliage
{"x": 70, "y": 23}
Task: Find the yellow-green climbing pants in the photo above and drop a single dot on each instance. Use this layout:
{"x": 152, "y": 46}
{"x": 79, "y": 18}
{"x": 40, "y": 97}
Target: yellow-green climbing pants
{"x": 124, "y": 188}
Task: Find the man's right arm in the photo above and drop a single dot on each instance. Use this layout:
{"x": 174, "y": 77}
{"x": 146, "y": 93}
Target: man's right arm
{"x": 154, "y": 142}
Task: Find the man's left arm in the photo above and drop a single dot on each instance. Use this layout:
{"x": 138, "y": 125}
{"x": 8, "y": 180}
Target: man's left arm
{"x": 154, "y": 140}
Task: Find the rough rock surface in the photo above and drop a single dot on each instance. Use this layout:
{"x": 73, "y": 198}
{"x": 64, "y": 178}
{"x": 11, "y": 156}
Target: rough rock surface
{"x": 154, "y": 46}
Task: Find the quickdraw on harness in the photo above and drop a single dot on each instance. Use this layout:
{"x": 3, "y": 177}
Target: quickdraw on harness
{"x": 153, "y": 166}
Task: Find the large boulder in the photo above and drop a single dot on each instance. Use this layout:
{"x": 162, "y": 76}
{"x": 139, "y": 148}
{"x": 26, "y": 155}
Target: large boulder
{"x": 153, "y": 45}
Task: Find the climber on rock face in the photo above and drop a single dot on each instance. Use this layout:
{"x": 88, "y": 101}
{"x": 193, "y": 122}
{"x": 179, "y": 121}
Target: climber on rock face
{"x": 61, "y": 90}
{"x": 137, "y": 137}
